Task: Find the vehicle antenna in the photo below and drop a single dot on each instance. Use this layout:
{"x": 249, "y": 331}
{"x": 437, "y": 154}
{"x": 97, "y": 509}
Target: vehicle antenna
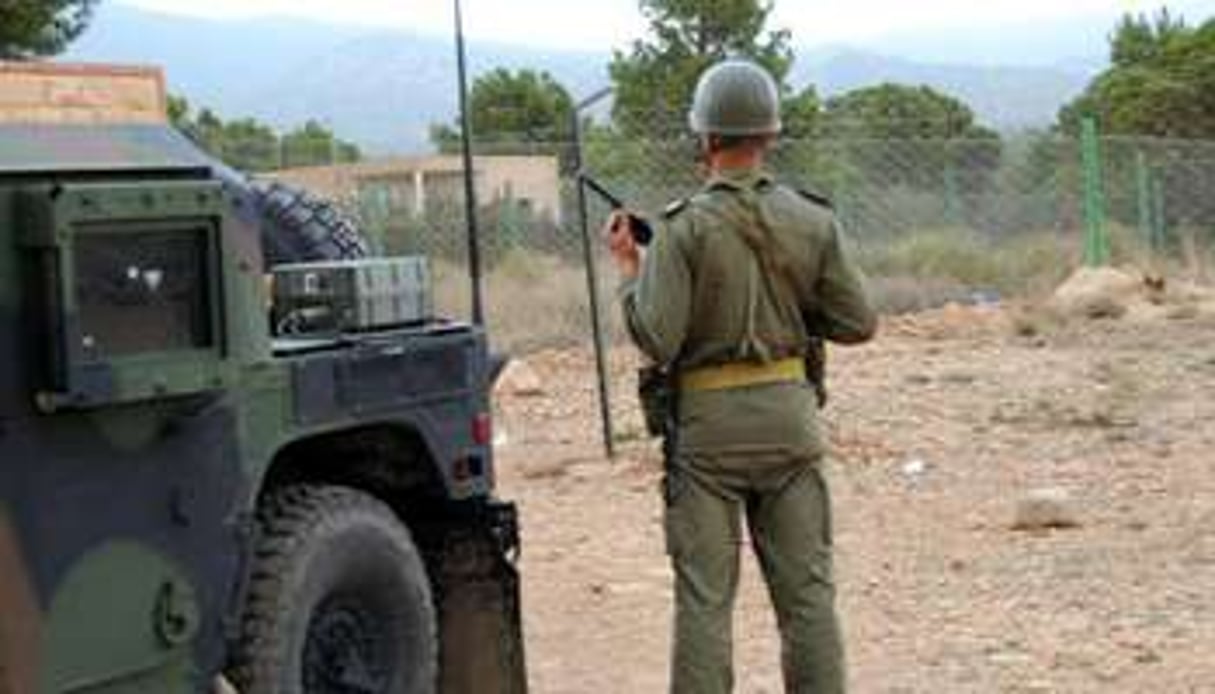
{"x": 470, "y": 188}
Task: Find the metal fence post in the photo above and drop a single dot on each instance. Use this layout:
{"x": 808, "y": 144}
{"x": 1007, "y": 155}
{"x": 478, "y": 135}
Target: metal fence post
{"x": 592, "y": 276}
{"x": 1143, "y": 194}
{"x": 1096, "y": 242}
{"x": 1159, "y": 223}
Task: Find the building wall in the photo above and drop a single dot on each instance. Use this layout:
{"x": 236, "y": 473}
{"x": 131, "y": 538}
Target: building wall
{"x": 535, "y": 180}
{"x": 411, "y": 184}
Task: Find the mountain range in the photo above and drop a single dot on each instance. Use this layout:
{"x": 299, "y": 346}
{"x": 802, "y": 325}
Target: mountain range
{"x": 384, "y": 88}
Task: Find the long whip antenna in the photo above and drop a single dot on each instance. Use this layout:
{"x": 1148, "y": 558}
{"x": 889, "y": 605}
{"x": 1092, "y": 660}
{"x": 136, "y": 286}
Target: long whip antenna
{"x": 470, "y": 185}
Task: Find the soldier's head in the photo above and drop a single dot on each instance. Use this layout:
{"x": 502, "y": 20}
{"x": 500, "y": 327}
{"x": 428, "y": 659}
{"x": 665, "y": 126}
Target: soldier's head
{"x": 736, "y": 108}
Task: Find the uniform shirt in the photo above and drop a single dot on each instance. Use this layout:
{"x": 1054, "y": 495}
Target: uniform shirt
{"x": 704, "y": 298}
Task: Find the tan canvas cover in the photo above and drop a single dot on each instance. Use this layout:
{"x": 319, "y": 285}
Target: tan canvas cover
{"x": 61, "y": 93}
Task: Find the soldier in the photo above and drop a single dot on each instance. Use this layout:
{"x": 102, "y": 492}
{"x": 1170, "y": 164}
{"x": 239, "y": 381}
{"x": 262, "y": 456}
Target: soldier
{"x": 739, "y": 283}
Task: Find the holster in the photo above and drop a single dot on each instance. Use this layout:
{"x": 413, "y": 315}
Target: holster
{"x": 816, "y": 369}
{"x": 656, "y": 391}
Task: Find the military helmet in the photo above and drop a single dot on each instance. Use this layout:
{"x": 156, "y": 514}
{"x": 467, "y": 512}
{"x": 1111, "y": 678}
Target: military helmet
{"x": 735, "y": 97}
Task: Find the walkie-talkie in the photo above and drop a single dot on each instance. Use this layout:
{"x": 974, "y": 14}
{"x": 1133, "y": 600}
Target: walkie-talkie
{"x": 643, "y": 233}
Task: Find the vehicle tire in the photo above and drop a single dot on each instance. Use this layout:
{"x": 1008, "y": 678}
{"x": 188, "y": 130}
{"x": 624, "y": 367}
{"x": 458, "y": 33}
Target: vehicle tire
{"x": 338, "y": 600}
{"x": 299, "y": 227}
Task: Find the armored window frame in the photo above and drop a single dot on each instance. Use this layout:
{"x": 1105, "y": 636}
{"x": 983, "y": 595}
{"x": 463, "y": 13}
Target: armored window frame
{"x": 57, "y": 221}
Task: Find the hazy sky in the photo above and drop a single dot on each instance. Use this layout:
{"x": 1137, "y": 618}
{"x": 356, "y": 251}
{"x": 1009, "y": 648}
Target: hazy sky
{"x": 602, "y": 24}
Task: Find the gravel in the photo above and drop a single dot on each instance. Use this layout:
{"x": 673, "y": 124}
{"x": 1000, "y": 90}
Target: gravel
{"x": 939, "y": 428}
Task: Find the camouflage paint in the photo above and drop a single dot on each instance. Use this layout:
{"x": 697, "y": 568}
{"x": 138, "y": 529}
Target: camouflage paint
{"x": 21, "y": 627}
{"x": 155, "y": 607}
{"x": 132, "y": 495}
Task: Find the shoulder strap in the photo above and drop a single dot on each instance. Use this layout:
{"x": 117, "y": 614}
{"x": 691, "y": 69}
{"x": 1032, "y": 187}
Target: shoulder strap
{"x": 759, "y": 238}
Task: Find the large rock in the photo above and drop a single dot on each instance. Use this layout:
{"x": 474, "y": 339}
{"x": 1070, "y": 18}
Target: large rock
{"x": 1048, "y": 508}
{"x": 1103, "y": 292}
{"x": 519, "y": 379}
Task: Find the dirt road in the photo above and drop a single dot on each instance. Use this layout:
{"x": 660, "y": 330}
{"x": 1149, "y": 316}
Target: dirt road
{"x": 938, "y": 429}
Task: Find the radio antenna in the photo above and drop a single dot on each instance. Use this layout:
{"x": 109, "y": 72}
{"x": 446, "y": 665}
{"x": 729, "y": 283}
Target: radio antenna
{"x": 470, "y": 184}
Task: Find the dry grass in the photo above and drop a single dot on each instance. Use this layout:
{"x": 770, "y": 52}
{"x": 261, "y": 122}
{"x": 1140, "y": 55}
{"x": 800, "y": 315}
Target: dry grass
{"x": 532, "y": 300}
{"x": 1025, "y": 263}
{"x": 538, "y": 300}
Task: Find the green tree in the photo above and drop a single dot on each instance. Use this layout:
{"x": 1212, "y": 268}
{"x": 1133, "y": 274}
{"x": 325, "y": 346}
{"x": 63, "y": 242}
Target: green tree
{"x": 803, "y": 157}
{"x": 30, "y": 28}
{"x": 313, "y": 144}
{"x": 900, "y": 112}
{"x": 513, "y": 111}
{"x": 250, "y": 145}
{"x": 802, "y": 115}
{"x": 207, "y": 129}
{"x": 895, "y": 134}
{"x": 1138, "y": 40}
{"x": 1160, "y": 84}
{"x": 1161, "y": 81}
{"x": 179, "y": 111}
{"x": 656, "y": 77}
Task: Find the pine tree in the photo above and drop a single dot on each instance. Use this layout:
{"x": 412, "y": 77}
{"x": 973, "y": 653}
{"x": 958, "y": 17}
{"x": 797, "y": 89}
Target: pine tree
{"x": 33, "y": 28}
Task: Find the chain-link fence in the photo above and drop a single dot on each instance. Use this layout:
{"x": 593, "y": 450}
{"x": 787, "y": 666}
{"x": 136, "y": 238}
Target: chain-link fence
{"x": 931, "y": 221}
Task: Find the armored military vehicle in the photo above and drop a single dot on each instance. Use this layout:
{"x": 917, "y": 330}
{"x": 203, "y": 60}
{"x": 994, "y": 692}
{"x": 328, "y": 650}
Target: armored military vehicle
{"x": 229, "y": 447}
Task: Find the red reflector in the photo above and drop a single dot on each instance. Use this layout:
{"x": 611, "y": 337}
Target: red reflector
{"x": 483, "y": 429}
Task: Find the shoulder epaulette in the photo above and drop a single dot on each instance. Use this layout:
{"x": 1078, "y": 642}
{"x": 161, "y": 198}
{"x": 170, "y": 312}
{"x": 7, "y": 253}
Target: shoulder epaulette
{"x": 816, "y": 198}
{"x": 675, "y": 208}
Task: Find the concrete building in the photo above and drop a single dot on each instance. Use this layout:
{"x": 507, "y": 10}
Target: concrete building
{"x": 413, "y": 185}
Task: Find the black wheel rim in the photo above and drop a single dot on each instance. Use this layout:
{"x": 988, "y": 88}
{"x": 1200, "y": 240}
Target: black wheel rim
{"x": 344, "y": 651}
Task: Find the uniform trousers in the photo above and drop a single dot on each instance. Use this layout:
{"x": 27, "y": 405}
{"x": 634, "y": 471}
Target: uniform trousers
{"x": 787, "y": 507}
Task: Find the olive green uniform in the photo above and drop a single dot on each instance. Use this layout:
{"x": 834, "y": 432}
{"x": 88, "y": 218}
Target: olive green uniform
{"x": 705, "y": 298}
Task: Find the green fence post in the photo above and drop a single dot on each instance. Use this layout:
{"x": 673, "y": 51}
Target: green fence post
{"x": 1096, "y": 242}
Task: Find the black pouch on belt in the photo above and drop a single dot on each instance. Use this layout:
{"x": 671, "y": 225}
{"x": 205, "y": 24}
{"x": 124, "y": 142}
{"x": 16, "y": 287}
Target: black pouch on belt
{"x": 656, "y": 392}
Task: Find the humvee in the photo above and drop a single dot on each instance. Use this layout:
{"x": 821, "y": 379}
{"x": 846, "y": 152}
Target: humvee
{"x": 204, "y": 474}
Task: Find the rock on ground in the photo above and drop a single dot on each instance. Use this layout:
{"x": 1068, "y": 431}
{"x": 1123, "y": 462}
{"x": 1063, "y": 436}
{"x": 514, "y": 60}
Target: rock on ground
{"x": 1046, "y": 509}
{"x": 519, "y": 379}
{"x": 1103, "y": 292}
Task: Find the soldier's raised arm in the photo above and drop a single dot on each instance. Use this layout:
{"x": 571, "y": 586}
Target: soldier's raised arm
{"x": 657, "y": 301}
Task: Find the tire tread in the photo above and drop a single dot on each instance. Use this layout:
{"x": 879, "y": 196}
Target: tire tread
{"x": 286, "y": 519}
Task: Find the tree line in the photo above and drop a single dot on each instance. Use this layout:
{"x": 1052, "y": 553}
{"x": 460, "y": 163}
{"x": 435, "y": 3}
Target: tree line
{"x": 1160, "y": 82}
{"x": 250, "y": 145}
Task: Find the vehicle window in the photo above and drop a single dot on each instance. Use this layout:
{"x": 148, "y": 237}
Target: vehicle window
{"x": 142, "y": 292}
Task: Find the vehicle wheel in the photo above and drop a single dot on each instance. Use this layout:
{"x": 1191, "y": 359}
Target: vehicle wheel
{"x": 299, "y": 227}
{"x": 338, "y": 602}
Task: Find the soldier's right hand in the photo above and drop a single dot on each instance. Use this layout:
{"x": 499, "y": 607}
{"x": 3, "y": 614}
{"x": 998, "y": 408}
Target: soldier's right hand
{"x": 622, "y": 243}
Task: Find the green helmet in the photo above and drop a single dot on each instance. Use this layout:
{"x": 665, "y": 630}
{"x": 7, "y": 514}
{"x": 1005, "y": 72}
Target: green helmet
{"x": 736, "y": 97}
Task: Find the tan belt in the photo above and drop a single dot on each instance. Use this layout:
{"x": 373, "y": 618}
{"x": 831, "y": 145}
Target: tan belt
{"x": 742, "y": 374}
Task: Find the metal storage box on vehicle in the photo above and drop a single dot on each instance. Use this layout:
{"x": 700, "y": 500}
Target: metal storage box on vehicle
{"x": 353, "y": 295}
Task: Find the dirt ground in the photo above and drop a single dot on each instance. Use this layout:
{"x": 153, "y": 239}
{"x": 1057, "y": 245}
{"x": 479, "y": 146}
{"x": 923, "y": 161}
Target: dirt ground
{"x": 938, "y": 429}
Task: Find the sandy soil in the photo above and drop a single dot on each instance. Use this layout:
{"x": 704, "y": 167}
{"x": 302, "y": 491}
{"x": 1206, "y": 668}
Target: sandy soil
{"x": 938, "y": 429}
